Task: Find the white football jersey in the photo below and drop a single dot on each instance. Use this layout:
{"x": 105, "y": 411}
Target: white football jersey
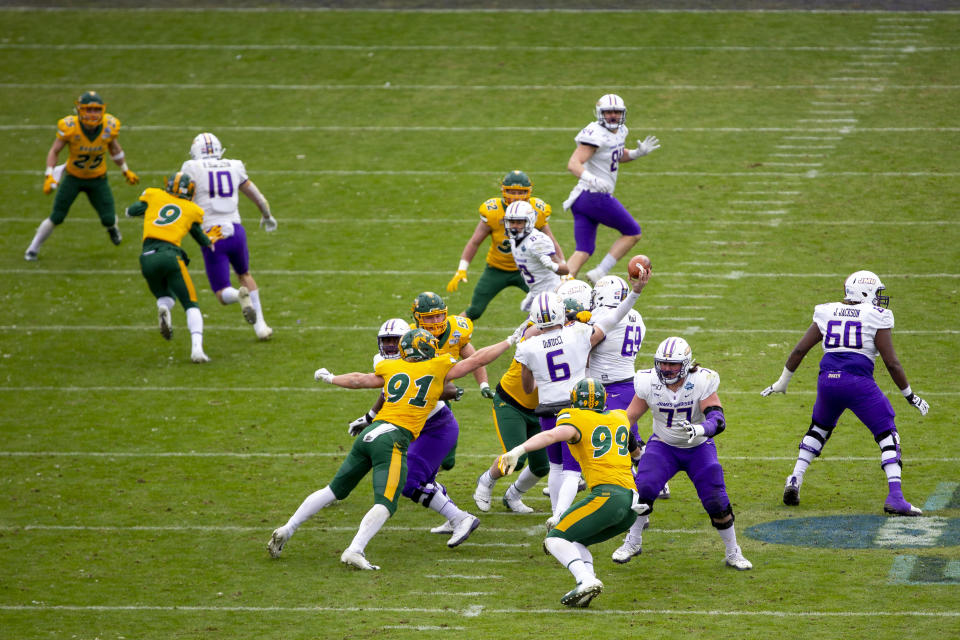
{"x": 557, "y": 359}
{"x": 605, "y": 162}
{"x": 612, "y": 360}
{"x": 668, "y": 406}
{"x": 527, "y": 254}
{"x": 851, "y": 328}
{"x": 218, "y": 188}
{"x": 440, "y": 403}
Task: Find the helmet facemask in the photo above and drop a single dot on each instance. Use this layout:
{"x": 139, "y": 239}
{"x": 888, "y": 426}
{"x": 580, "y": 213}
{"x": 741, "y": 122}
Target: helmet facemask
{"x": 673, "y": 360}
{"x": 90, "y": 109}
{"x": 611, "y": 112}
{"x": 430, "y": 313}
{"x": 515, "y": 186}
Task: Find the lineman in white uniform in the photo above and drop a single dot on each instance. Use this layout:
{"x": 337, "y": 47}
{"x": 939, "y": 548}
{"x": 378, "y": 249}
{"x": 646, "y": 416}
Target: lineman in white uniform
{"x": 219, "y": 182}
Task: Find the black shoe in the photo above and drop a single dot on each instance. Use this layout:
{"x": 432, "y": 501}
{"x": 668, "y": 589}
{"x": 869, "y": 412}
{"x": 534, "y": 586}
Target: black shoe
{"x": 114, "y": 233}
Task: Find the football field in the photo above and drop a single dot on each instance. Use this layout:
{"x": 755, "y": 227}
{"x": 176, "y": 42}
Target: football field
{"x": 139, "y": 490}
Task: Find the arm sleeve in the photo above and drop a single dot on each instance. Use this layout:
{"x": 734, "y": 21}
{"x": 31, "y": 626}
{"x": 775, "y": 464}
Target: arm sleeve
{"x": 197, "y": 232}
{"x": 137, "y": 209}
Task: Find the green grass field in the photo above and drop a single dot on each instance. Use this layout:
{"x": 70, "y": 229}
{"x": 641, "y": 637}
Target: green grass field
{"x": 139, "y": 490}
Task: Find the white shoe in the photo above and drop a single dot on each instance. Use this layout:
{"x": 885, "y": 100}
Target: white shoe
{"x": 581, "y": 595}
{"x": 546, "y": 491}
{"x": 595, "y": 274}
{"x": 512, "y": 501}
{"x": 552, "y": 522}
{"x": 463, "y": 529}
{"x": 445, "y": 528}
{"x": 482, "y": 495}
{"x": 246, "y": 305}
{"x": 665, "y": 492}
{"x": 263, "y": 333}
{"x": 626, "y": 551}
{"x": 166, "y": 328}
{"x": 358, "y": 560}
{"x": 199, "y": 357}
{"x": 277, "y": 540}
{"x": 738, "y": 562}
{"x": 30, "y": 256}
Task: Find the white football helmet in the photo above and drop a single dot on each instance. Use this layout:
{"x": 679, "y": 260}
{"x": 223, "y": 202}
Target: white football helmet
{"x": 611, "y": 102}
{"x": 674, "y": 351}
{"x": 865, "y": 286}
{"x": 520, "y": 210}
{"x": 609, "y": 291}
{"x": 206, "y": 145}
{"x": 578, "y": 290}
{"x": 547, "y": 310}
{"x": 388, "y": 337}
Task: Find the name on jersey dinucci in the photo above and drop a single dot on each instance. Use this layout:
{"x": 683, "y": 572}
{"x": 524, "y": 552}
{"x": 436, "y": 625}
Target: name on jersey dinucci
{"x": 552, "y": 342}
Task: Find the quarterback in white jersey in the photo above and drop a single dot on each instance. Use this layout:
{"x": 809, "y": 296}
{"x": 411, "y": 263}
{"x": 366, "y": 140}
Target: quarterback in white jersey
{"x": 852, "y": 333}
{"x": 533, "y": 251}
{"x": 596, "y": 162}
{"x": 219, "y": 182}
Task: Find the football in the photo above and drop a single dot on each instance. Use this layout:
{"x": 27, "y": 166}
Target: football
{"x": 636, "y": 262}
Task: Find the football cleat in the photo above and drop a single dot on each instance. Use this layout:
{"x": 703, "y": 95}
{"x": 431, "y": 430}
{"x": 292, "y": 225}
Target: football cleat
{"x": 664, "y": 493}
{"x": 581, "y": 595}
{"x": 512, "y": 501}
{"x": 263, "y": 333}
{"x": 445, "y": 528}
{"x": 277, "y": 540}
{"x": 246, "y": 305}
{"x": 482, "y": 495}
{"x": 737, "y": 561}
{"x": 114, "y": 232}
{"x": 357, "y": 560}
{"x": 595, "y": 274}
{"x": 897, "y": 507}
{"x": 546, "y": 491}
{"x": 199, "y": 357}
{"x": 626, "y": 551}
{"x": 166, "y": 327}
{"x": 463, "y": 529}
{"x": 30, "y": 256}
{"x": 552, "y": 522}
{"x": 791, "y": 491}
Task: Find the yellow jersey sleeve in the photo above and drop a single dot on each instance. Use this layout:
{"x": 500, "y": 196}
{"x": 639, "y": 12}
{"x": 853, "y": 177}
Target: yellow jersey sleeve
{"x": 543, "y": 212}
{"x": 602, "y": 450}
{"x": 411, "y": 390}
{"x": 512, "y": 384}
{"x": 461, "y": 331}
{"x": 499, "y": 255}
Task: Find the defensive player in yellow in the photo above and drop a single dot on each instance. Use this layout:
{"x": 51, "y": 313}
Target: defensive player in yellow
{"x": 601, "y": 442}
{"x": 411, "y": 387}
{"x": 89, "y": 135}
{"x": 501, "y": 270}
{"x": 168, "y": 215}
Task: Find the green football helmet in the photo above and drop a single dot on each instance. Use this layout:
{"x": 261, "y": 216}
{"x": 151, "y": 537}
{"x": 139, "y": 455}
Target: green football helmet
{"x": 572, "y": 307}
{"x": 90, "y": 108}
{"x": 515, "y": 186}
{"x": 589, "y": 394}
{"x": 181, "y": 185}
{"x": 430, "y": 312}
{"x": 417, "y": 345}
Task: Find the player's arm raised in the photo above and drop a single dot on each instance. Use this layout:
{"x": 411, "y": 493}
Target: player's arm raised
{"x": 607, "y": 323}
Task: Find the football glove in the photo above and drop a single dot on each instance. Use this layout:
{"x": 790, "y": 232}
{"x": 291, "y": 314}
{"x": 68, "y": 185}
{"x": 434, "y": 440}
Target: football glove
{"x": 323, "y": 375}
{"x": 548, "y": 262}
{"x": 517, "y": 334}
{"x": 49, "y": 184}
{"x": 361, "y": 423}
{"x": 131, "y": 177}
{"x": 486, "y": 391}
{"x": 508, "y": 461}
{"x": 780, "y": 386}
{"x": 460, "y": 392}
{"x": 691, "y": 430}
{"x": 268, "y": 224}
{"x": 919, "y": 403}
{"x": 458, "y": 277}
{"x": 584, "y": 316}
{"x": 593, "y": 182}
{"x": 649, "y": 144}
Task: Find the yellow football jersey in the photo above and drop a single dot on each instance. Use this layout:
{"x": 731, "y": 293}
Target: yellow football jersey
{"x": 512, "y": 384}
{"x": 491, "y": 213}
{"x": 459, "y": 331}
{"x": 411, "y": 390}
{"x": 602, "y": 449}
{"x": 168, "y": 217}
{"x": 88, "y": 158}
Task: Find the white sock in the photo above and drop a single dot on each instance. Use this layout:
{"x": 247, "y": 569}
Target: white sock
{"x": 568, "y": 492}
{"x": 255, "y": 299}
{"x": 803, "y": 461}
{"x": 568, "y": 555}
{"x": 608, "y": 262}
{"x": 729, "y": 537}
{"x": 313, "y": 503}
{"x": 587, "y": 558}
{"x": 369, "y": 527}
{"x": 43, "y": 232}
{"x": 486, "y": 479}
{"x": 635, "y": 534}
{"x": 526, "y": 480}
{"x": 442, "y": 504}
{"x": 554, "y": 478}
{"x": 195, "y": 324}
{"x": 229, "y": 295}
{"x": 165, "y": 302}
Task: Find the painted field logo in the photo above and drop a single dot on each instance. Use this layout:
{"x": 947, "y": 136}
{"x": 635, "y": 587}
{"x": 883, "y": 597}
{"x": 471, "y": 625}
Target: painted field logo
{"x": 860, "y": 532}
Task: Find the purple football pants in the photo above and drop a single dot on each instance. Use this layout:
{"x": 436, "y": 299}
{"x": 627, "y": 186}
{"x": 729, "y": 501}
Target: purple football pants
{"x": 425, "y": 454}
{"x": 558, "y": 452}
{"x": 619, "y": 396}
{"x": 229, "y": 252}
{"x": 592, "y": 209}
{"x": 660, "y": 462}
{"x": 839, "y": 390}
